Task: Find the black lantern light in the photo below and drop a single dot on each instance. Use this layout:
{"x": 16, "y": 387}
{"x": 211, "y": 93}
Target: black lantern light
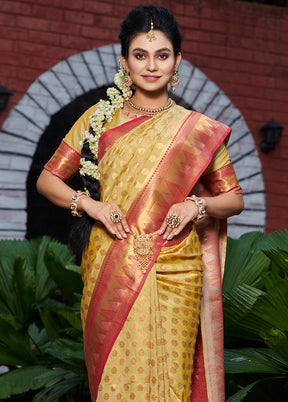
{"x": 272, "y": 132}
{"x": 4, "y": 97}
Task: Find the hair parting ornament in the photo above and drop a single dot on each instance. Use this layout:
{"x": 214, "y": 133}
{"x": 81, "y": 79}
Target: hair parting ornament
{"x": 151, "y": 34}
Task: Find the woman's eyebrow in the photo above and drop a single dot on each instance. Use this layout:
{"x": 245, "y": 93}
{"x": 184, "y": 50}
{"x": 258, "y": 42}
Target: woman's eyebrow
{"x": 139, "y": 49}
{"x": 164, "y": 49}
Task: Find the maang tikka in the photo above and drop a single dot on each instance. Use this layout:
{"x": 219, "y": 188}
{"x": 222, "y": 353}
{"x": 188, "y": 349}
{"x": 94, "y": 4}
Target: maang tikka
{"x": 151, "y": 34}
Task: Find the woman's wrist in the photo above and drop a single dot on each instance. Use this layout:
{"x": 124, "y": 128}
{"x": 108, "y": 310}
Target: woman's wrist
{"x": 91, "y": 207}
{"x": 200, "y": 204}
{"x": 76, "y": 204}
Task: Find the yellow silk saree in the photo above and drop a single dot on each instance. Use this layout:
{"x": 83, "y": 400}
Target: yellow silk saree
{"x": 141, "y": 321}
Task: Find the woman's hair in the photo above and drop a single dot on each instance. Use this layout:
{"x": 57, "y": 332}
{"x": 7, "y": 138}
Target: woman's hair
{"x": 139, "y": 20}
{"x": 81, "y": 228}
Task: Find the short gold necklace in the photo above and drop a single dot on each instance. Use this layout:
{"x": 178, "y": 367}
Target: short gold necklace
{"x": 150, "y": 112}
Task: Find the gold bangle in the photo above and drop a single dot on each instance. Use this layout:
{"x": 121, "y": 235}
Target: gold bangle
{"x": 74, "y": 206}
{"x": 199, "y": 203}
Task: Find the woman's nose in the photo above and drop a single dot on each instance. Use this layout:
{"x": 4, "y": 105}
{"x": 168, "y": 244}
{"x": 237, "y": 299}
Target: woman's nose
{"x": 151, "y": 65}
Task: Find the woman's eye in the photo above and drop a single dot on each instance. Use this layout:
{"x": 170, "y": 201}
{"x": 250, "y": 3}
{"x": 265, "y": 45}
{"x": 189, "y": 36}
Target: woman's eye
{"x": 163, "y": 56}
{"x": 139, "y": 56}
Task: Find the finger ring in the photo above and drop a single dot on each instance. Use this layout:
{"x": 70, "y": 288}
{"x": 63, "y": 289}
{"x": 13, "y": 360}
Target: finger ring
{"x": 173, "y": 221}
{"x": 116, "y": 216}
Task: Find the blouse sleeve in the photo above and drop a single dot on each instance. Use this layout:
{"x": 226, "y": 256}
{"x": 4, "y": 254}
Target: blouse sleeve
{"x": 66, "y": 160}
{"x": 220, "y": 159}
{"x": 220, "y": 177}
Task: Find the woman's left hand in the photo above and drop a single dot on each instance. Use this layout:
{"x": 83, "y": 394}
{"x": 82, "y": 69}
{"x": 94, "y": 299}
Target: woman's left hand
{"x": 186, "y": 211}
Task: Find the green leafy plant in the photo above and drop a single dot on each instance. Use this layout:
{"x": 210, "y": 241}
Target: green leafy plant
{"x": 255, "y": 303}
{"x": 41, "y": 340}
{"x": 41, "y": 336}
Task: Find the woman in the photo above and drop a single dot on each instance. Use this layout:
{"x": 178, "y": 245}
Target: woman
{"x": 163, "y": 173}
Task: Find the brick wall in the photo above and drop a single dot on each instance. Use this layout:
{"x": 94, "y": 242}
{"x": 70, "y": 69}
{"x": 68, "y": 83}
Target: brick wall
{"x": 241, "y": 46}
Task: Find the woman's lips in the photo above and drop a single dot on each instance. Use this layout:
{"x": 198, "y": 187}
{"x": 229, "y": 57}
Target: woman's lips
{"x": 151, "y": 78}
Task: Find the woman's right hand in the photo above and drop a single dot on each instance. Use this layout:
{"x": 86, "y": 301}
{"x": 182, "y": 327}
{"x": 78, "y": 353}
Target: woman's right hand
{"x": 103, "y": 211}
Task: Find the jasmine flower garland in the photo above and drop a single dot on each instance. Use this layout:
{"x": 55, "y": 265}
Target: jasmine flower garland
{"x": 104, "y": 112}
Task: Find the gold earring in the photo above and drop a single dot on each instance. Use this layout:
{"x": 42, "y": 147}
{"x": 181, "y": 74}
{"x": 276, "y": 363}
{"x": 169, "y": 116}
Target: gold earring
{"x": 127, "y": 80}
{"x": 174, "y": 80}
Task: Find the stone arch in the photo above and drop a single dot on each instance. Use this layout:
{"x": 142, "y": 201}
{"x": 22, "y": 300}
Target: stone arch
{"x": 95, "y": 68}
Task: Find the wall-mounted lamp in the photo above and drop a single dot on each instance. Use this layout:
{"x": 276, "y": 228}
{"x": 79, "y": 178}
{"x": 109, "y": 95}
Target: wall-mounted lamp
{"x": 4, "y": 97}
{"x": 272, "y": 132}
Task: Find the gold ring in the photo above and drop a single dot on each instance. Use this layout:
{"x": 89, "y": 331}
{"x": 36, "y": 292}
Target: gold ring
{"x": 116, "y": 216}
{"x": 173, "y": 221}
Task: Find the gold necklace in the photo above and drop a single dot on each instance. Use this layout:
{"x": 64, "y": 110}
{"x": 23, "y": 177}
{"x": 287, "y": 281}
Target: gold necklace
{"x": 150, "y": 112}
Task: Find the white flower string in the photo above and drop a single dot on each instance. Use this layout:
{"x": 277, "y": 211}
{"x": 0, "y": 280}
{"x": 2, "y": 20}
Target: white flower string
{"x": 89, "y": 169}
{"x": 104, "y": 112}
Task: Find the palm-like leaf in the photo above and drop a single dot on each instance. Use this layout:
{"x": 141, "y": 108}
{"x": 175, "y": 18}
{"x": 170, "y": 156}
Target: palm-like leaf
{"x": 244, "y": 249}
{"x": 69, "y": 352}
{"x": 254, "y": 360}
{"x": 240, "y": 395}
{"x": 33, "y": 252}
{"x": 55, "y": 391}
{"x": 44, "y": 283}
{"x": 14, "y": 345}
{"x": 275, "y": 241}
{"x": 38, "y": 331}
{"x": 60, "y": 266}
{"x": 255, "y": 301}
{"x": 22, "y": 380}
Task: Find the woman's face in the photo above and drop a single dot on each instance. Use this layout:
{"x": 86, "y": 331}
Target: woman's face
{"x": 151, "y": 64}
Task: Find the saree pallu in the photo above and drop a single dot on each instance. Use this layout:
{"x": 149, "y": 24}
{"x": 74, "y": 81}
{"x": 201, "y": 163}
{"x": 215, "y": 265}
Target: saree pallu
{"x": 146, "y": 166}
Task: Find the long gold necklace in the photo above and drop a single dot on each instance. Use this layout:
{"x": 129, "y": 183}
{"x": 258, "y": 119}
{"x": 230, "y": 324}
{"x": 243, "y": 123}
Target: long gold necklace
{"x": 150, "y": 112}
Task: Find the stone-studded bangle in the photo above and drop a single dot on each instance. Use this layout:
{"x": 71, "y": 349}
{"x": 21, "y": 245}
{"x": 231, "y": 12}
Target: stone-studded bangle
{"x": 199, "y": 203}
{"x": 74, "y": 206}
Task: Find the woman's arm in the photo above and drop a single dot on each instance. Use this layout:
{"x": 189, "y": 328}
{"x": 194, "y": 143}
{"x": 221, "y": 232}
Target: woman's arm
{"x": 58, "y": 192}
{"x": 53, "y": 188}
{"x": 224, "y": 205}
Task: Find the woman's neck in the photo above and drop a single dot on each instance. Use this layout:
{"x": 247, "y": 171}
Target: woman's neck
{"x": 150, "y": 100}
